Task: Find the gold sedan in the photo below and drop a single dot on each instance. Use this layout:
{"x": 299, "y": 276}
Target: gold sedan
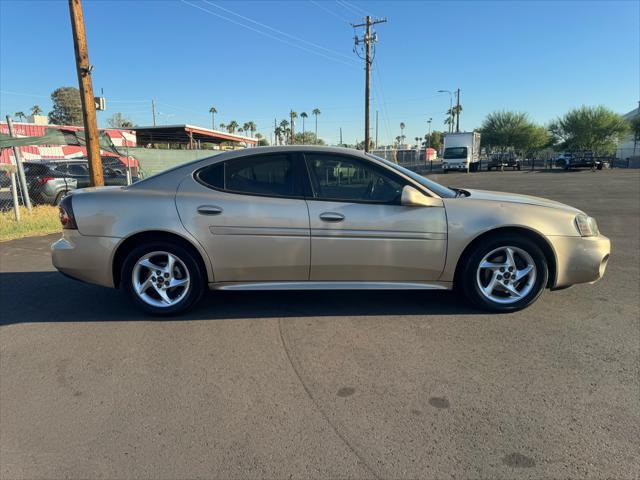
{"x": 283, "y": 218}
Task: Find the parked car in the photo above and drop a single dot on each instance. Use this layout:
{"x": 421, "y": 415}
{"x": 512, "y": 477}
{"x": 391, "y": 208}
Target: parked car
{"x": 46, "y": 184}
{"x": 503, "y": 160}
{"x": 571, "y": 160}
{"x": 79, "y": 170}
{"x": 304, "y": 217}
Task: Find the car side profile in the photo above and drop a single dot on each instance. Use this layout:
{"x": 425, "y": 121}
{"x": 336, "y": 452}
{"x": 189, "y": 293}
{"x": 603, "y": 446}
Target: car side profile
{"x": 306, "y": 217}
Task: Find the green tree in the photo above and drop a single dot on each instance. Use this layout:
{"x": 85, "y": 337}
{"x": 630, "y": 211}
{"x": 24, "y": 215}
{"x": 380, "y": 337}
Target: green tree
{"x": 597, "y": 129}
{"x": 67, "y": 108}
{"x": 505, "y": 130}
{"x": 232, "y": 126}
{"x": 315, "y": 112}
{"x": 434, "y": 141}
{"x": 117, "y": 120}
{"x": 310, "y": 139}
{"x": 222, "y": 126}
{"x": 20, "y": 115}
{"x": 36, "y": 110}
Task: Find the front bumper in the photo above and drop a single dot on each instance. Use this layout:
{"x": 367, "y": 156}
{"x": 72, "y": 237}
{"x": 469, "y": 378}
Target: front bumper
{"x": 580, "y": 259}
{"x": 455, "y": 166}
{"x": 85, "y": 257}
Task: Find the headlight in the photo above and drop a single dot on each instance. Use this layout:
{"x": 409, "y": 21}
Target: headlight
{"x": 587, "y": 226}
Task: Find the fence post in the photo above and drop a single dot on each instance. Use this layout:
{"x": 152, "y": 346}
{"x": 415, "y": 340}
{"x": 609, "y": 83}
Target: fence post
{"x": 14, "y": 196}
{"x": 21, "y": 177}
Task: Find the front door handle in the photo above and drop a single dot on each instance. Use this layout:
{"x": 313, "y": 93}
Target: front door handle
{"x": 331, "y": 217}
{"x": 209, "y": 210}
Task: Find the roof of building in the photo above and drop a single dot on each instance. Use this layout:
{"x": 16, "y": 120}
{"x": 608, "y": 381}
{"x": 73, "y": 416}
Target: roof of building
{"x": 184, "y": 133}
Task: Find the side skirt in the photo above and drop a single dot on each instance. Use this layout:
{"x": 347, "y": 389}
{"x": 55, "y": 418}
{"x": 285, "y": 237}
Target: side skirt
{"x": 311, "y": 285}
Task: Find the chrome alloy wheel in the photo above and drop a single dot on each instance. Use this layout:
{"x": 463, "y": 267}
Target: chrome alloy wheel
{"x": 160, "y": 279}
{"x": 506, "y": 275}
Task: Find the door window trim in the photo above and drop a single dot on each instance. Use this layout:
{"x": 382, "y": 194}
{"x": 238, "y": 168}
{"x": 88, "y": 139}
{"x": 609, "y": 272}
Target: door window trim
{"x": 298, "y": 182}
{"x": 374, "y": 166}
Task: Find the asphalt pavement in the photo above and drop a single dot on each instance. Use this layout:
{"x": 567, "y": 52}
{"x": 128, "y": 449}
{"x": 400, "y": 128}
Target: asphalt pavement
{"x": 329, "y": 384}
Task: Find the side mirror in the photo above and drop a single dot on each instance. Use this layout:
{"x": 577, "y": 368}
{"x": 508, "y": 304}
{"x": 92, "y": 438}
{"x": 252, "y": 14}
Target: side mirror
{"x": 412, "y": 197}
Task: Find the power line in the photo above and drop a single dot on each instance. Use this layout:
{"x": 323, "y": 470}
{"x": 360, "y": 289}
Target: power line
{"x": 348, "y": 7}
{"x": 329, "y": 11}
{"x": 293, "y": 37}
{"x": 248, "y": 27}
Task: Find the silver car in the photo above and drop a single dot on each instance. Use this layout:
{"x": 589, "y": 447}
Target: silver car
{"x": 307, "y": 217}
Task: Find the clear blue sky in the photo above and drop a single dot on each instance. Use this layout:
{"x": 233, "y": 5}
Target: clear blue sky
{"x": 539, "y": 57}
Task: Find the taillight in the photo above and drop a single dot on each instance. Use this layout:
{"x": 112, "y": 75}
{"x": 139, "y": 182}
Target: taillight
{"x": 43, "y": 180}
{"x": 65, "y": 209}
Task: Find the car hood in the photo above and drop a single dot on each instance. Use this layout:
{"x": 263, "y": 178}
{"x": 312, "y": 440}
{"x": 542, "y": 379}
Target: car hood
{"x": 516, "y": 198}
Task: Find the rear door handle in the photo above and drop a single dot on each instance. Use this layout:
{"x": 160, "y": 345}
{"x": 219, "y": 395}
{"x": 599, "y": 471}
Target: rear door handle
{"x": 331, "y": 217}
{"x": 209, "y": 210}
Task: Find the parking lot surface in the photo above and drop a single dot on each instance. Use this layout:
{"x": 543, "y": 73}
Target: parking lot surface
{"x": 329, "y": 384}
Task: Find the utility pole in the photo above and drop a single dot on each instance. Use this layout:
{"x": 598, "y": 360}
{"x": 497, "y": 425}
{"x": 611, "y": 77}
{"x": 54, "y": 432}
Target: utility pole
{"x": 20, "y": 169}
{"x": 457, "y": 110}
{"x": 84, "y": 68}
{"x": 367, "y": 39}
{"x": 429, "y": 135}
{"x": 153, "y": 111}
{"x": 341, "y": 136}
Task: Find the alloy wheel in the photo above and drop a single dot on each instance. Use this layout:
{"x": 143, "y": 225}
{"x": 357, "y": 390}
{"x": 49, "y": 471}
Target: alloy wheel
{"x": 160, "y": 279}
{"x": 506, "y": 275}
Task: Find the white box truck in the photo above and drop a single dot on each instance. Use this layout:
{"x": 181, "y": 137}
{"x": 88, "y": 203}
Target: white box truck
{"x": 461, "y": 152}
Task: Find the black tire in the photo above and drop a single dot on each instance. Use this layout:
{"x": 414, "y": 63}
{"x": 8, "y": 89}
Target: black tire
{"x": 468, "y": 274}
{"x": 197, "y": 277}
{"x": 445, "y": 171}
{"x": 518, "y": 167}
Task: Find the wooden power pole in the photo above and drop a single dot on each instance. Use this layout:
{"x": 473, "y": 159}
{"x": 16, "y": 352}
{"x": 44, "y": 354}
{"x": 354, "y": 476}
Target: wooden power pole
{"x": 86, "y": 93}
{"x": 367, "y": 40}
{"x": 458, "y": 110}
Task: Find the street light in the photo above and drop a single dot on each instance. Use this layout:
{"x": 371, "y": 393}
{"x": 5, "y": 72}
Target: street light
{"x": 450, "y": 106}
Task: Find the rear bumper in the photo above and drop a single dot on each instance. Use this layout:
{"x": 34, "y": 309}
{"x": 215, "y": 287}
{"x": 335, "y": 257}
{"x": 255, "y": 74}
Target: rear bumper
{"x": 84, "y": 257}
{"x": 580, "y": 259}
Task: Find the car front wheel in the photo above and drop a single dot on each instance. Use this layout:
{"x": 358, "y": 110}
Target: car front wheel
{"x": 505, "y": 274}
{"x": 162, "y": 278}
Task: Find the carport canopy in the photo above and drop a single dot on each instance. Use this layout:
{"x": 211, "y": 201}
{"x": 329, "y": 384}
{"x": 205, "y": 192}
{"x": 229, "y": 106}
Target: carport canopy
{"x": 187, "y": 134}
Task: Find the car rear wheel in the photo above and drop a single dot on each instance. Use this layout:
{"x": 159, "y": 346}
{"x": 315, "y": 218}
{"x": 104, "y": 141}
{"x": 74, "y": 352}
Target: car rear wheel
{"x": 162, "y": 278}
{"x": 505, "y": 274}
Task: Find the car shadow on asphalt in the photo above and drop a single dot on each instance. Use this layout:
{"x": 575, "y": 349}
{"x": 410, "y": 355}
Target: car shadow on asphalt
{"x": 32, "y": 297}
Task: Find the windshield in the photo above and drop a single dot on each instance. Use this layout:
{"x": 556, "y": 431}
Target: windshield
{"x": 455, "y": 152}
{"x": 436, "y": 188}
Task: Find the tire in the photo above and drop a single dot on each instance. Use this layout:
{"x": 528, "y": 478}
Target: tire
{"x": 181, "y": 297}
{"x": 518, "y": 167}
{"x": 473, "y": 278}
{"x": 445, "y": 171}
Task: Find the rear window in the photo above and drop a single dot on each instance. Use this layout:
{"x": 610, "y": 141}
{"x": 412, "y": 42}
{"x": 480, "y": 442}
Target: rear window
{"x": 212, "y": 176}
{"x": 270, "y": 175}
{"x": 35, "y": 169}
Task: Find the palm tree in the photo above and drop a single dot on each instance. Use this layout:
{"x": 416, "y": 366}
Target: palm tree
{"x": 456, "y": 113}
{"x": 249, "y": 127}
{"x": 232, "y": 126}
{"x": 303, "y": 115}
{"x": 278, "y": 133}
{"x": 222, "y": 126}
{"x": 241, "y": 130}
{"x": 449, "y": 120}
{"x": 21, "y": 116}
{"x": 398, "y": 138}
{"x": 402, "y": 125}
{"x": 285, "y": 130}
{"x": 36, "y": 110}
{"x": 316, "y": 112}
{"x": 417, "y": 139}
{"x": 293, "y": 115}
{"x": 213, "y": 112}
